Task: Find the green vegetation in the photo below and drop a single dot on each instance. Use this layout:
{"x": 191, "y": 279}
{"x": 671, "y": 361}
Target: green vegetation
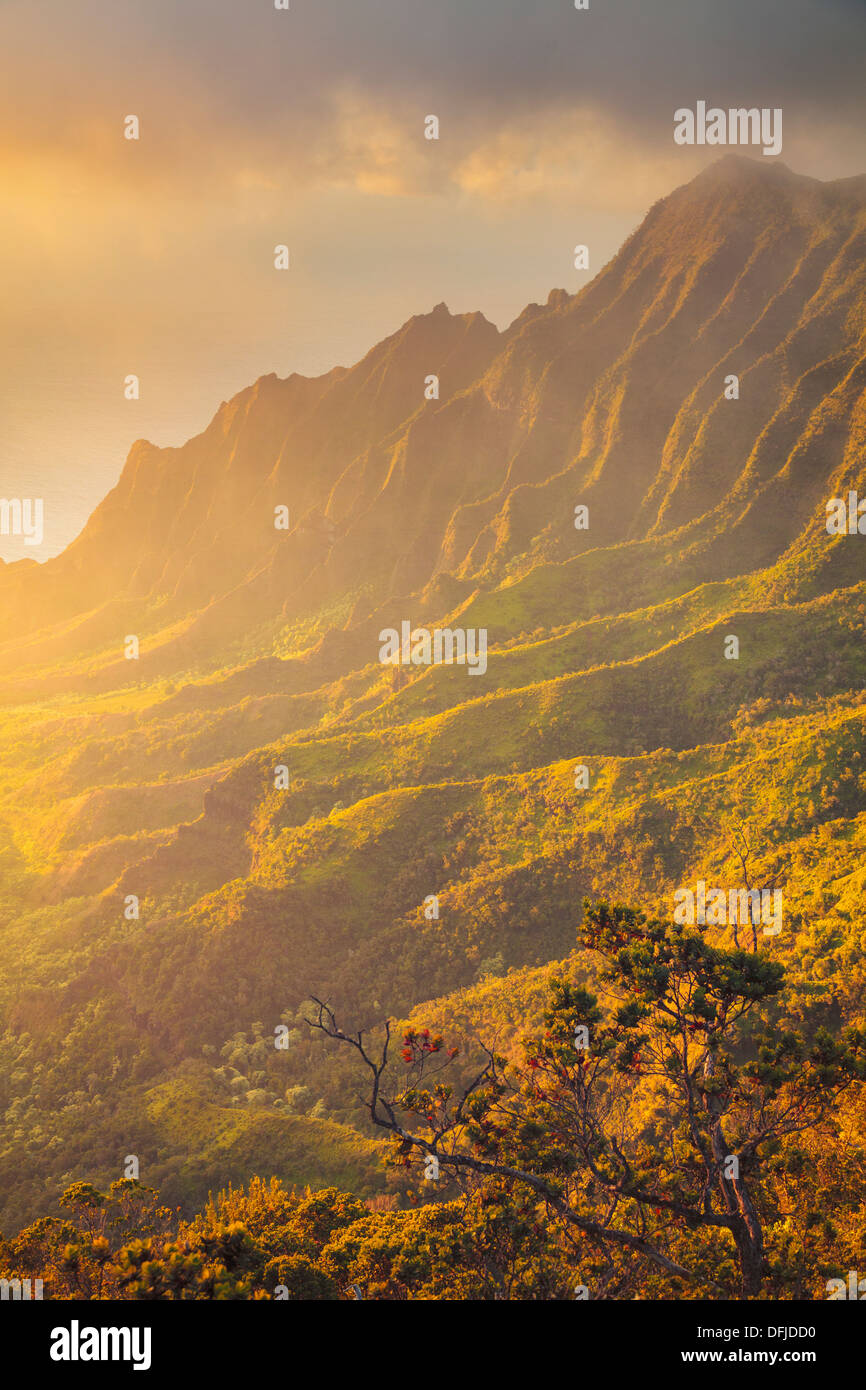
{"x": 169, "y": 902}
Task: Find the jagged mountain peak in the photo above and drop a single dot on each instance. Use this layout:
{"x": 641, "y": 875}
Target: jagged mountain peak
{"x": 451, "y": 449}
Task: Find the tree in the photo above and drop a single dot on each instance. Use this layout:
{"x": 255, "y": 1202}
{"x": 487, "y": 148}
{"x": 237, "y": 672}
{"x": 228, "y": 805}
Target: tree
{"x": 640, "y": 1122}
{"x": 73, "y": 1255}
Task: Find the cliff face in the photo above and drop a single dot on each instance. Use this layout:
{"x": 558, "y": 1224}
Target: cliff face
{"x": 614, "y": 398}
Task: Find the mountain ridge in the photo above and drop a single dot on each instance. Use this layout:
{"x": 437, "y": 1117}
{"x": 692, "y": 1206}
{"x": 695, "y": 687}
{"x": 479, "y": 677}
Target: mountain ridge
{"x": 157, "y": 780}
{"x": 363, "y": 489}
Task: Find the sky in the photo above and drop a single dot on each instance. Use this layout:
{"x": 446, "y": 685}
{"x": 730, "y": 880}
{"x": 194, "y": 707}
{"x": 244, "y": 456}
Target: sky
{"x": 305, "y": 127}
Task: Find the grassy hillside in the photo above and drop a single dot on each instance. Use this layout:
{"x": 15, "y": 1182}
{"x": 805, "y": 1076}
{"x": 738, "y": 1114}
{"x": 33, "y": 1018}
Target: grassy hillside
{"x": 169, "y": 899}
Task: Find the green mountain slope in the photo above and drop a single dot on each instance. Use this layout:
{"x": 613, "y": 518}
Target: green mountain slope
{"x": 156, "y": 782}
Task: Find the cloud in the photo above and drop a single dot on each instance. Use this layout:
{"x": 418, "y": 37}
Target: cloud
{"x": 565, "y": 156}
{"x": 333, "y": 94}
